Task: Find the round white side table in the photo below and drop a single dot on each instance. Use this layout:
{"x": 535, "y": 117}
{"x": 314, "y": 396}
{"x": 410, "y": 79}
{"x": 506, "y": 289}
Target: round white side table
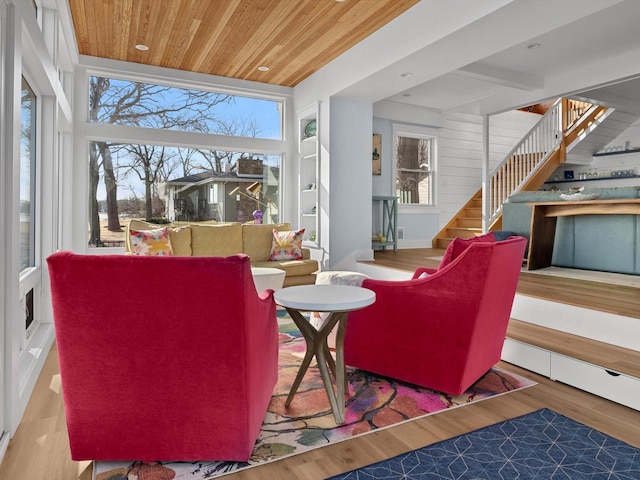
{"x": 338, "y": 300}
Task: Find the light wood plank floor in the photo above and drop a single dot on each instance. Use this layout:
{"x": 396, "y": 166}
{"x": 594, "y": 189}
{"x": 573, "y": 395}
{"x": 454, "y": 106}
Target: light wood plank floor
{"x": 39, "y": 450}
{"x": 618, "y": 299}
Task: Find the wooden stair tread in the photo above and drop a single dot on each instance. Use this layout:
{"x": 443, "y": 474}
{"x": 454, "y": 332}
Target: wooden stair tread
{"x": 608, "y": 356}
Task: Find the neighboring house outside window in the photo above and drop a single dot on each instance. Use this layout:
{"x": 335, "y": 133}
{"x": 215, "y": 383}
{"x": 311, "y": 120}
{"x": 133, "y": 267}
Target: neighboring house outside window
{"x": 414, "y": 165}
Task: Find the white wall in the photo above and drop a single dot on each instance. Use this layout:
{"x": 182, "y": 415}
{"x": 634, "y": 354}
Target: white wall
{"x": 458, "y": 167}
{"x": 631, "y": 134}
{"x": 350, "y": 187}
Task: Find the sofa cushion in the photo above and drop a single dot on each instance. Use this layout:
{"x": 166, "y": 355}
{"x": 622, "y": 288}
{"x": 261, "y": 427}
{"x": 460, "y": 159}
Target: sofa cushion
{"x": 536, "y": 196}
{"x": 257, "y": 239}
{"x": 217, "y": 240}
{"x": 180, "y": 241}
{"x": 150, "y": 242}
{"x": 294, "y": 268}
{"x": 554, "y": 196}
{"x": 613, "y": 192}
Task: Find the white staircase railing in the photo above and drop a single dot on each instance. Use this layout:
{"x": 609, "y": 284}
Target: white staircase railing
{"x": 523, "y": 160}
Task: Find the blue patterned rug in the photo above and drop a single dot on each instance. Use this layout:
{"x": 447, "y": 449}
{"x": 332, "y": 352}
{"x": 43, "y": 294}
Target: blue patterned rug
{"x": 537, "y": 446}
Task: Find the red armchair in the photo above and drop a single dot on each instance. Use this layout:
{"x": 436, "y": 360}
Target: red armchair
{"x": 443, "y": 331}
{"x": 162, "y": 358}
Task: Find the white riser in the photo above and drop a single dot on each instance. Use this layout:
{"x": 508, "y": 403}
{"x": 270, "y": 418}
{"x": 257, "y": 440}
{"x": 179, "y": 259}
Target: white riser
{"x": 526, "y": 356}
{"x": 601, "y": 326}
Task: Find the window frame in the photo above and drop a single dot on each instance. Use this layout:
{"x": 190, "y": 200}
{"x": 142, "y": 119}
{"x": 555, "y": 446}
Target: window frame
{"x": 182, "y": 85}
{"x": 34, "y": 184}
{"x": 418, "y": 132}
{"x": 87, "y": 132}
{"x": 30, "y": 277}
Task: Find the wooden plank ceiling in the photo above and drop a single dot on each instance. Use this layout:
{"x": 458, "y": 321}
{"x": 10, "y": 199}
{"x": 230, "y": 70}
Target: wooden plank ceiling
{"x": 230, "y": 38}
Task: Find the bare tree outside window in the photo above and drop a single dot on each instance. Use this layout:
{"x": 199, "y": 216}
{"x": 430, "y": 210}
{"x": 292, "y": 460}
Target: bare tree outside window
{"x": 414, "y": 172}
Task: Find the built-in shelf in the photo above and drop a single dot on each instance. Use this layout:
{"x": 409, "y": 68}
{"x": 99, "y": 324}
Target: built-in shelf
{"x": 569, "y": 180}
{"x": 308, "y": 177}
{"x": 621, "y": 152}
{"x": 389, "y": 206}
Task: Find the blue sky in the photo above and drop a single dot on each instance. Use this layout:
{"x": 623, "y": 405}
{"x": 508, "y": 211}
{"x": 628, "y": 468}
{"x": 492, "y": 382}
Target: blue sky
{"x": 264, "y": 111}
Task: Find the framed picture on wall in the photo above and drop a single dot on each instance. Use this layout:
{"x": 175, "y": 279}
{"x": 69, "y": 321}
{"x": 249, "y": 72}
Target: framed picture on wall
{"x": 377, "y": 154}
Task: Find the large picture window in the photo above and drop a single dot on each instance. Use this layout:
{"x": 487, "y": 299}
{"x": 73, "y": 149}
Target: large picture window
{"x": 169, "y": 184}
{"x": 125, "y": 102}
{"x": 165, "y": 183}
{"x": 414, "y": 166}
{"x": 27, "y": 177}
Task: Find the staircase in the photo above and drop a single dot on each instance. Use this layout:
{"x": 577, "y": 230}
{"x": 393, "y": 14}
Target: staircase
{"x": 531, "y": 162}
{"x": 465, "y": 224}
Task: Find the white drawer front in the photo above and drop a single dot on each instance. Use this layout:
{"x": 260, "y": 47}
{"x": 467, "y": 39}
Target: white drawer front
{"x": 532, "y": 358}
{"x": 592, "y": 378}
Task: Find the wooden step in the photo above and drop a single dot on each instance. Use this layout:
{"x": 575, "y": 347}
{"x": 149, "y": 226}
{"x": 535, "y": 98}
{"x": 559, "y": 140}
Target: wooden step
{"x": 615, "y": 358}
{"x": 469, "y": 222}
{"x": 476, "y": 203}
{"x": 463, "y": 232}
{"x": 442, "y": 242}
{"x": 472, "y": 213}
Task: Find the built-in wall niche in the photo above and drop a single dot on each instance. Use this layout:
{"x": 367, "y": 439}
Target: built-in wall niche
{"x": 622, "y": 169}
{"x": 309, "y": 174}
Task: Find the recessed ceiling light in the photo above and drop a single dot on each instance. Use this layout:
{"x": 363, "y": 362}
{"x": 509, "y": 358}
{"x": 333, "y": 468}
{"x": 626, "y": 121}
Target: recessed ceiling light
{"x": 263, "y": 68}
{"x": 340, "y": 1}
{"x": 406, "y": 74}
{"x": 142, "y": 47}
{"x": 533, "y": 46}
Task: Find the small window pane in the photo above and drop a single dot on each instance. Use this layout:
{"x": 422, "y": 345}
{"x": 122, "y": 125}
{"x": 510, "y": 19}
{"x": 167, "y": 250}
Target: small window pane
{"x": 27, "y": 176}
{"x": 413, "y": 167}
{"x": 138, "y": 104}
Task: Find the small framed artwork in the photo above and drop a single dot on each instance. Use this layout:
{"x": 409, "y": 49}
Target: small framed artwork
{"x": 377, "y": 154}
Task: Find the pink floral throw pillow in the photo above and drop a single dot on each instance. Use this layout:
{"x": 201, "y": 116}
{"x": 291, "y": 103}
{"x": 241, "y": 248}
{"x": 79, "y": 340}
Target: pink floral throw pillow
{"x": 286, "y": 245}
{"x": 150, "y": 242}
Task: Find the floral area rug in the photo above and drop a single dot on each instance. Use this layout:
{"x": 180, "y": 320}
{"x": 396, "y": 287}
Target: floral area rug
{"x": 374, "y": 402}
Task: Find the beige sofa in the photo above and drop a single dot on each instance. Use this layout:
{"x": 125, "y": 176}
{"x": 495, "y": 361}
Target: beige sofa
{"x": 224, "y": 239}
